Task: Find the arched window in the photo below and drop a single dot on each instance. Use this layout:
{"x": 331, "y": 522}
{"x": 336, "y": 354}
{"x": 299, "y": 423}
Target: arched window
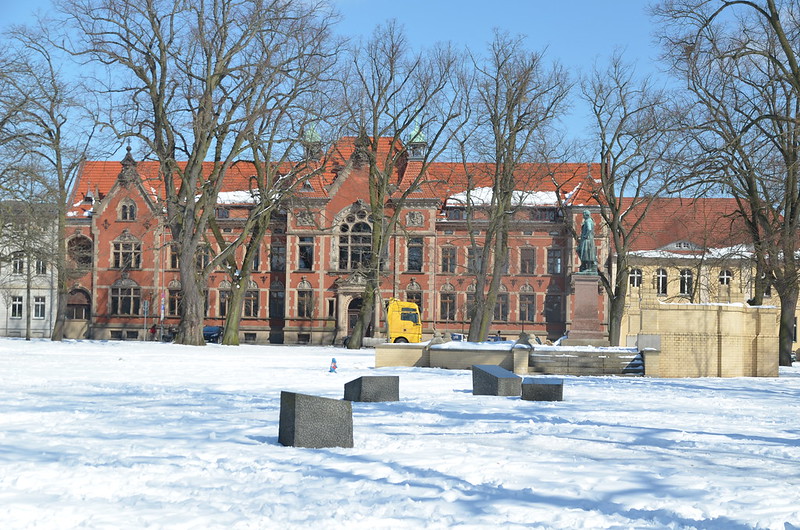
{"x": 355, "y": 241}
{"x": 447, "y": 302}
{"x": 686, "y": 282}
{"x": 175, "y": 298}
{"x": 251, "y": 301}
{"x": 661, "y": 282}
{"x": 127, "y": 211}
{"x": 305, "y": 299}
{"x": 125, "y": 297}
{"x": 224, "y": 298}
{"x": 527, "y": 303}
{"x": 79, "y": 250}
{"x": 501, "y": 305}
{"x": 635, "y": 278}
{"x": 414, "y": 294}
{"x": 78, "y": 305}
{"x": 725, "y": 277}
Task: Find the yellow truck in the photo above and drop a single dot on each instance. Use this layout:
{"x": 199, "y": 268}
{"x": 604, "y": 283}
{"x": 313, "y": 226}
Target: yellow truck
{"x": 403, "y": 321}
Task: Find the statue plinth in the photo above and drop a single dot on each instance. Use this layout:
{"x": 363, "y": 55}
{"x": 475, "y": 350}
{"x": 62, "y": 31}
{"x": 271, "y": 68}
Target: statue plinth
{"x": 586, "y": 328}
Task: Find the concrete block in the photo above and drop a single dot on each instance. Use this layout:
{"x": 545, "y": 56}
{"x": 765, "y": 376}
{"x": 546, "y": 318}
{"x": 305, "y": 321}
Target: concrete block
{"x": 491, "y": 380}
{"x": 312, "y": 421}
{"x": 542, "y": 389}
{"x": 373, "y": 388}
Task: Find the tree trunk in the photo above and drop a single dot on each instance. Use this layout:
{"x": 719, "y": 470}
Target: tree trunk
{"x": 787, "y": 323}
{"x": 233, "y": 317}
{"x": 61, "y": 278}
{"x": 190, "y": 329}
{"x": 28, "y": 286}
{"x": 616, "y": 311}
{"x": 364, "y": 315}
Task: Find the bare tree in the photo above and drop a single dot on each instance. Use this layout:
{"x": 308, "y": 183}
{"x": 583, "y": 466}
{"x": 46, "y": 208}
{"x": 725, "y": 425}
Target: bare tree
{"x": 188, "y": 82}
{"x": 640, "y": 145}
{"x": 739, "y": 59}
{"x": 517, "y": 98}
{"x": 53, "y": 133}
{"x": 394, "y": 98}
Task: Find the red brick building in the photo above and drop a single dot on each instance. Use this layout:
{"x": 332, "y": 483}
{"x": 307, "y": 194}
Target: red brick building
{"x": 306, "y": 286}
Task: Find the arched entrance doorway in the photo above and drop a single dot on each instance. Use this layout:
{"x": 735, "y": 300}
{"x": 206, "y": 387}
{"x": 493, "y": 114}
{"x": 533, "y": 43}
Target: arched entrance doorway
{"x": 352, "y": 314}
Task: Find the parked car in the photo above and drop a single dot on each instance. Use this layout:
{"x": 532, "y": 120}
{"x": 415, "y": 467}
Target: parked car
{"x": 213, "y": 333}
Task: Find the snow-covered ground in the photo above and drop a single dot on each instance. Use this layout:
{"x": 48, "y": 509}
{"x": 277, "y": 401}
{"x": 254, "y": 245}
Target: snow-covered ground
{"x": 148, "y": 435}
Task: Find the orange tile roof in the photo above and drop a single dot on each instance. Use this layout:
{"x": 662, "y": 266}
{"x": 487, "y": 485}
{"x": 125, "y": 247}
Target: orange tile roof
{"x": 706, "y": 222}
{"x": 442, "y": 180}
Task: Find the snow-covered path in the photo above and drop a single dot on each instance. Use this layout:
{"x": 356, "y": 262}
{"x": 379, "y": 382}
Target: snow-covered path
{"x": 150, "y": 435}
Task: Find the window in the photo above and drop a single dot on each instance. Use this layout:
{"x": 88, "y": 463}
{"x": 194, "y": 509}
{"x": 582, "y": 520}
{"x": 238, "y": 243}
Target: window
{"x": 17, "y": 263}
{"x": 416, "y": 297}
{"x": 543, "y": 214}
{"x": 251, "y": 304}
{"x": 355, "y": 241}
{"x": 456, "y": 214}
{"x": 256, "y": 260}
{"x": 78, "y": 306}
{"x": 41, "y": 267}
{"x": 38, "y": 307}
{"x": 222, "y": 213}
{"x": 224, "y": 300}
{"x": 415, "y": 254}
{"x": 527, "y": 260}
{"x": 447, "y": 304}
{"x": 553, "y": 308}
{"x": 527, "y": 307}
{"x": 635, "y": 278}
{"x": 127, "y": 255}
{"x": 661, "y": 282}
{"x": 277, "y": 258}
{"x": 127, "y": 212}
{"x": 125, "y": 298}
{"x": 174, "y": 302}
{"x": 686, "y": 282}
{"x": 501, "y": 308}
{"x": 474, "y": 260}
{"x": 202, "y": 258}
{"x": 725, "y": 277}
{"x": 79, "y": 250}
{"x": 448, "y": 260}
{"x": 305, "y": 255}
{"x": 174, "y": 257}
{"x": 553, "y": 261}
{"x": 305, "y": 305}
{"x": 16, "y": 307}
{"x": 277, "y": 301}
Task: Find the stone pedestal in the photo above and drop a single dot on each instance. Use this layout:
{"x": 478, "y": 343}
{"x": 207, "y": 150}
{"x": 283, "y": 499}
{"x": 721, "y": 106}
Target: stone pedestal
{"x": 586, "y": 328}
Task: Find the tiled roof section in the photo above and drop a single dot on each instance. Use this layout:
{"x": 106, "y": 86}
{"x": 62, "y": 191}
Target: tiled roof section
{"x": 442, "y": 180}
{"x": 706, "y": 223}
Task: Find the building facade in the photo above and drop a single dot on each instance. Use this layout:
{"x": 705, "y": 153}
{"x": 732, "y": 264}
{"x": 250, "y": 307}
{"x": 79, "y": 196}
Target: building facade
{"x": 306, "y": 285}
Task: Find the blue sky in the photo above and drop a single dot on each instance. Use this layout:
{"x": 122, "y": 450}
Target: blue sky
{"x": 575, "y": 32}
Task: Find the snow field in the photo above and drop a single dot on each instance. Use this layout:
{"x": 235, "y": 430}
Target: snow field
{"x": 150, "y": 435}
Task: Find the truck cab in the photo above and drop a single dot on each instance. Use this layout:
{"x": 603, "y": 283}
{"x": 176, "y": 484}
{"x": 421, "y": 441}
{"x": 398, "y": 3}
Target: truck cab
{"x": 403, "y": 321}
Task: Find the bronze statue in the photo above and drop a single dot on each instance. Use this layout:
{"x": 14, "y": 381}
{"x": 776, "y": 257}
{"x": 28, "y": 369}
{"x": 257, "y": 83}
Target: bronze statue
{"x": 587, "y": 250}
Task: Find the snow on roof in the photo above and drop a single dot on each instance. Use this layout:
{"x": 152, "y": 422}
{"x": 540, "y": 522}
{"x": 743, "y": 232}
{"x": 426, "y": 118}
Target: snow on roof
{"x": 483, "y": 197}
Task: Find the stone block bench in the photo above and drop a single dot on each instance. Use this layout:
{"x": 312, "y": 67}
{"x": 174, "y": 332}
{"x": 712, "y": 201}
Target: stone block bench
{"x": 373, "y": 388}
{"x": 312, "y": 421}
{"x": 492, "y": 380}
{"x": 543, "y": 389}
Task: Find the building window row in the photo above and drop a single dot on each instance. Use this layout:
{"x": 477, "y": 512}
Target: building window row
{"x": 39, "y": 307}
{"x": 553, "y": 307}
{"x": 18, "y": 264}
{"x": 686, "y": 280}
